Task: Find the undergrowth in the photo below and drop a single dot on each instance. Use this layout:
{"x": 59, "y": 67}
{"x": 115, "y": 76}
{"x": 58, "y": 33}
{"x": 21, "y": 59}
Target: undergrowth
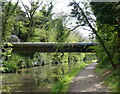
{"x": 110, "y": 77}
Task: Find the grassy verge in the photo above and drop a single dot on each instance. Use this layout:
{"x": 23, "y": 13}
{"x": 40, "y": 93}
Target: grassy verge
{"x": 111, "y": 78}
{"x": 64, "y": 84}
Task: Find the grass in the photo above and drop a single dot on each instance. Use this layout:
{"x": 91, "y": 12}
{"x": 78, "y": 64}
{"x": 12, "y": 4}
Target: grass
{"x": 64, "y": 85}
{"x": 110, "y": 77}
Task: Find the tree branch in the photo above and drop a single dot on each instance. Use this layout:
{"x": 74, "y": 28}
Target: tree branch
{"x": 86, "y": 29}
{"x": 75, "y": 27}
{"x": 25, "y": 8}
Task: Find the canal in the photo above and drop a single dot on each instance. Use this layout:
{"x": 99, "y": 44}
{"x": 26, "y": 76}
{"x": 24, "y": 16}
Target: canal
{"x": 36, "y": 79}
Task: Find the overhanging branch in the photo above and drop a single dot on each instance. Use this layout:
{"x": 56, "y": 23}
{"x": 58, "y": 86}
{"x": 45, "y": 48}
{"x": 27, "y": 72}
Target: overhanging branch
{"x": 75, "y": 27}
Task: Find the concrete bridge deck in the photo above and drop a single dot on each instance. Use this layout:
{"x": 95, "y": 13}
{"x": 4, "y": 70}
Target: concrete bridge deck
{"x": 31, "y": 47}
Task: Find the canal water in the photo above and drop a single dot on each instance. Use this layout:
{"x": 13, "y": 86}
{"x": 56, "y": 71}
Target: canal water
{"x": 36, "y": 79}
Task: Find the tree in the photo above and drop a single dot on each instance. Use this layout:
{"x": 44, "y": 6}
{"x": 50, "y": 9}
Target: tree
{"x": 30, "y": 11}
{"x": 8, "y": 10}
{"x": 108, "y": 22}
{"x": 84, "y": 18}
{"x": 13, "y": 22}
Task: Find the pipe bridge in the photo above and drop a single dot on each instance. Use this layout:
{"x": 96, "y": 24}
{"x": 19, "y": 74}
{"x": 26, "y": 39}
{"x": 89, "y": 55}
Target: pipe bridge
{"x": 31, "y": 47}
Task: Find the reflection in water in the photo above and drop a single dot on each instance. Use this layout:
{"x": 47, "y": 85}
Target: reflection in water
{"x": 36, "y": 79}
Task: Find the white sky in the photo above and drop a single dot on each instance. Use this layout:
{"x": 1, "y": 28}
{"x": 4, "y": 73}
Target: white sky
{"x": 61, "y": 7}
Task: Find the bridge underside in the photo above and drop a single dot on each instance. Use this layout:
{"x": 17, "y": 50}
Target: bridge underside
{"x": 28, "y": 47}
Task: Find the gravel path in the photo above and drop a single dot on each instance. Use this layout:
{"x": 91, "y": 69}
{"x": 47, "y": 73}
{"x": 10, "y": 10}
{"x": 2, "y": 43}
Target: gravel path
{"x": 87, "y": 81}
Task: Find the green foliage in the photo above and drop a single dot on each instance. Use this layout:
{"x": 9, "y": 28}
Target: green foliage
{"x": 56, "y": 58}
{"x": 10, "y": 65}
{"x": 31, "y": 25}
{"x": 106, "y": 13}
{"x": 30, "y": 12}
{"x": 7, "y": 23}
{"x": 15, "y": 62}
{"x": 113, "y": 78}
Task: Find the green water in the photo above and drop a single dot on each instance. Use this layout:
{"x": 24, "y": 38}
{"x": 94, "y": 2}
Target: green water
{"x": 36, "y": 79}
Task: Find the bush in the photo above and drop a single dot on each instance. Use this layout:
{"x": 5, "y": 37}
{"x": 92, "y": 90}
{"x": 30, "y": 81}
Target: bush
{"x": 14, "y": 62}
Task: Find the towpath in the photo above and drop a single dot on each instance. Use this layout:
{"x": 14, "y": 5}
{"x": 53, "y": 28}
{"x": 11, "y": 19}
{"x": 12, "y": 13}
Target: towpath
{"x": 87, "y": 81}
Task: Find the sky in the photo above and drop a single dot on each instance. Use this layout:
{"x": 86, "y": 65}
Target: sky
{"x": 60, "y": 8}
